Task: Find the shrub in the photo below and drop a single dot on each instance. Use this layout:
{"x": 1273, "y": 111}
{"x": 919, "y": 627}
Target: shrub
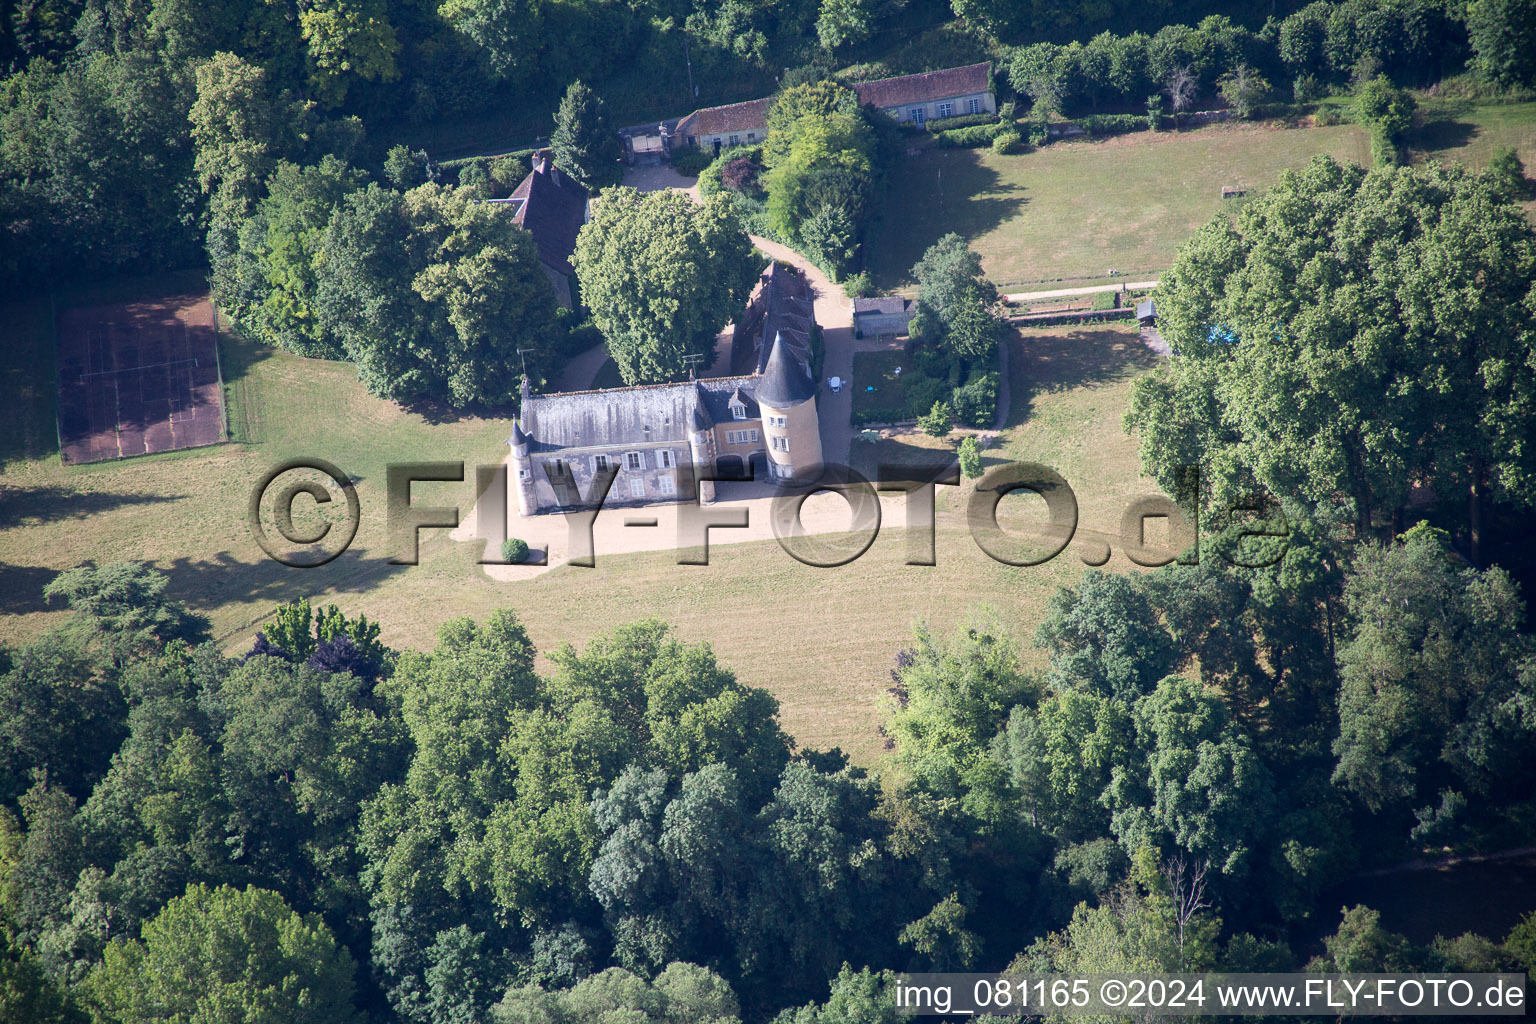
{"x": 1307, "y": 88}
{"x": 736, "y": 169}
{"x": 1038, "y": 133}
{"x": 975, "y": 403}
{"x": 923, "y": 392}
{"x": 514, "y": 550}
{"x": 692, "y": 160}
{"x": 1326, "y": 116}
{"x": 938, "y": 421}
{"x": 1106, "y": 300}
{"x": 970, "y": 458}
{"x": 1387, "y": 113}
{"x": 1507, "y": 172}
{"x": 860, "y": 285}
{"x": 1007, "y": 142}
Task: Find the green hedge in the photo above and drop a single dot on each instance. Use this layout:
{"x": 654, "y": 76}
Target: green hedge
{"x": 976, "y": 135}
{"x": 453, "y": 168}
{"x": 1112, "y": 124}
{"x": 879, "y": 415}
{"x": 942, "y": 124}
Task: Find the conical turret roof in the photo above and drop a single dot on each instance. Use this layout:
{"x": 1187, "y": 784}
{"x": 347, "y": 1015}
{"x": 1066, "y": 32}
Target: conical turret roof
{"x": 786, "y": 380}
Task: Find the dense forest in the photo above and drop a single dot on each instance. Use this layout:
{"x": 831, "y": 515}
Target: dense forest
{"x": 325, "y": 829}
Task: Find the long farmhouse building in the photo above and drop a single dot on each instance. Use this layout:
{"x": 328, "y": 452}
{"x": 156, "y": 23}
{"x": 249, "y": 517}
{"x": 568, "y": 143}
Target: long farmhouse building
{"x": 916, "y": 99}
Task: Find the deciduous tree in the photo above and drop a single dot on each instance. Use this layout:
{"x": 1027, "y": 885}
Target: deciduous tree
{"x": 662, "y": 275}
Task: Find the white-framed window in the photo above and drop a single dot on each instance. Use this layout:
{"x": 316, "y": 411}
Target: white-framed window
{"x": 522, "y": 474}
{"x": 666, "y": 485}
{"x": 740, "y": 436}
{"x": 637, "y": 487}
{"x": 946, "y": 110}
{"x": 917, "y": 114}
{"x": 557, "y": 467}
{"x": 778, "y": 421}
{"x": 633, "y": 461}
{"x": 780, "y": 444}
{"x": 751, "y": 136}
{"x": 735, "y": 140}
{"x": 599, "y": 463}
{"x": 973, "y": 106}
{"x": 738, "y": 411}
{"x": 665, "y": 459}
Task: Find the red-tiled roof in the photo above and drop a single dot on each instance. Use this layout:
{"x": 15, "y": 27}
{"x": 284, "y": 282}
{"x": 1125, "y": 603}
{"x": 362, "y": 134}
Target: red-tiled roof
{"x": 553, "y": 208}
{"x": 735, "y": 117}
{"x": 925, "y": 88}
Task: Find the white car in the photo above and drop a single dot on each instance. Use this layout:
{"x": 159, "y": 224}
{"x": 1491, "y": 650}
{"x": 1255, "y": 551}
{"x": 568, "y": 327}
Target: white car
{"x": 835, "y": 383}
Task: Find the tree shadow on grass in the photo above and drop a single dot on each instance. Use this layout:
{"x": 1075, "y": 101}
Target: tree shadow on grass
{"x": 34, "y": 506}
{"x": 931, "y": 194}
{"x": 21, "y": 588}
{"x": 210, "y": 583}
{"x": 1444, "y": 133}
{"x": 1050, "y": 363}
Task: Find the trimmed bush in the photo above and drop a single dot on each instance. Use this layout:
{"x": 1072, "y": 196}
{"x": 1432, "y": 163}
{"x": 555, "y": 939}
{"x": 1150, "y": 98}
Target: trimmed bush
{"x": 1007, "y": 142}
{"x": 1106, "y": 300}
{"x": 514, "y": 550}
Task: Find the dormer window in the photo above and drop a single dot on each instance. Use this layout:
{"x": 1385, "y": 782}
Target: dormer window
{"x": 738, "y": 411}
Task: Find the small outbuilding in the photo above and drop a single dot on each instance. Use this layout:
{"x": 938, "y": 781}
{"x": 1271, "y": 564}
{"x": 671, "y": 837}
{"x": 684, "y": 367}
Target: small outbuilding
{"x": 1146, "y": 313}
{"x": 886, "y": 314}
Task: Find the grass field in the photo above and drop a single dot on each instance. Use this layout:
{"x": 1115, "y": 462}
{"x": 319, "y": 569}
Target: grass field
{"x": 1077, "y": 210}
{"x": 1080, "y": 209}
{"x": 820, "y": 639}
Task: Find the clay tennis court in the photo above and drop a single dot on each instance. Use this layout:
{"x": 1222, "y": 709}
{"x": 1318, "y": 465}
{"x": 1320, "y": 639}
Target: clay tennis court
{"x": 137, "y": 378}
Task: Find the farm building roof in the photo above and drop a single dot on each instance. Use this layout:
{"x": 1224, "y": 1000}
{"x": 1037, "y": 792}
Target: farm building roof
{"x": 884, "y": 304}
{"x": 553, "y": 207}
{"x": 933, "y": 85}
{"x": 734, "y": 117}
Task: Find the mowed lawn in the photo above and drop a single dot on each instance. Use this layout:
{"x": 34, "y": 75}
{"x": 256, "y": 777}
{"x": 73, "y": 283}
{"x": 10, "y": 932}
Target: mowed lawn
{"x": 1079, "y": 209}
{"x": 822, "y": 640}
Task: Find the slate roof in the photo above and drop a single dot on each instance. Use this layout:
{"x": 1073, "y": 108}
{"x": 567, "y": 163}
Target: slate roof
{"x": 647, "y": 414}
{"x": 553, "y": 207}
{"x": 786, "y": 380}
{"x": 925, "y": 88}
{"x": 885, "y": 304}
{"x": 788, "y": 311}
{"x": 734, "y": 117}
